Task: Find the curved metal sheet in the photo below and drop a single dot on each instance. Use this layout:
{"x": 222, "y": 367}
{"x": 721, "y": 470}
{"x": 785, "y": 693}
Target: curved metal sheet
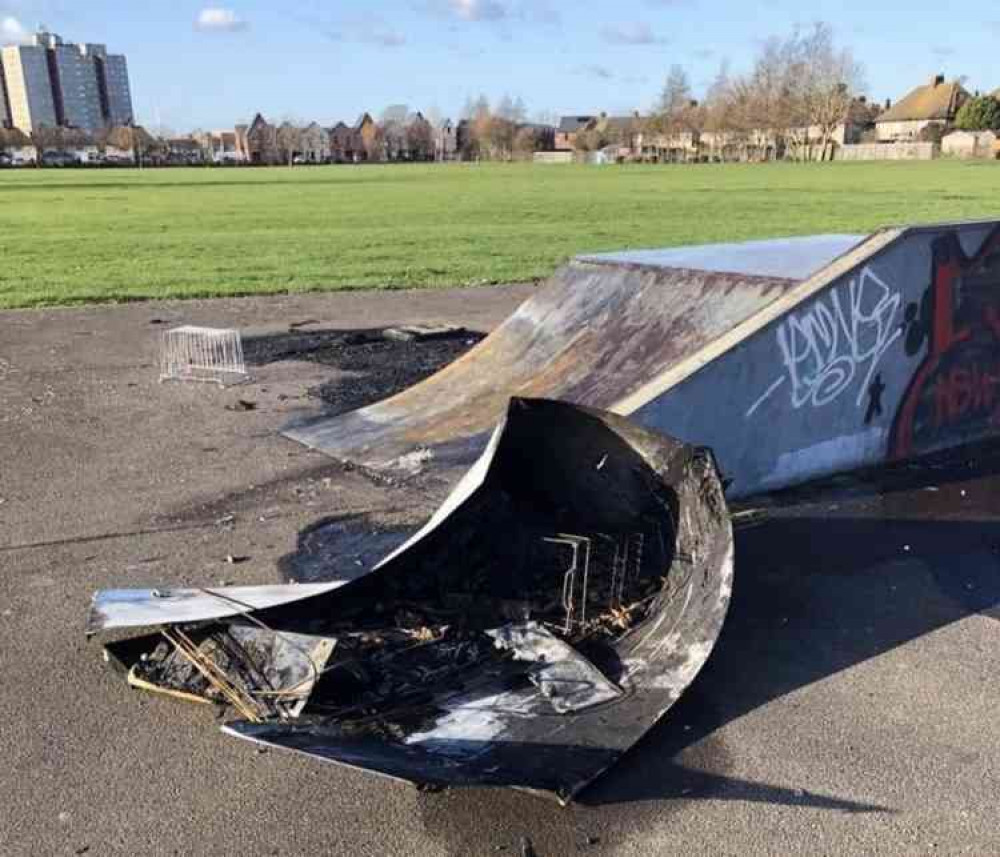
{"x": 641, "y": 616}
{"x": 565, "y": 466}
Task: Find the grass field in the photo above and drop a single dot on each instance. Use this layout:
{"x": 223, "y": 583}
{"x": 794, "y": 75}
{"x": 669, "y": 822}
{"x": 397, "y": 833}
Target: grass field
{"x": 75, "y": 236}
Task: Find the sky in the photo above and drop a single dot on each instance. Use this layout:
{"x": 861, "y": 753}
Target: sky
{"x": 210, "y": 65}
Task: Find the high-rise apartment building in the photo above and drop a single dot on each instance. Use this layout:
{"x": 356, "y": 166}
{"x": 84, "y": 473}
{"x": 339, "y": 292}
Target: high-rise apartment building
{"x": 50, "y": 82}
{"x": 29, "y": 87}
{"x": 117, "y": 95}
{"x": 4, "y": 103}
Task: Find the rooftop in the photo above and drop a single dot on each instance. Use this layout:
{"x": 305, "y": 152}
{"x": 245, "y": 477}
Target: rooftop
{"x": 572, "y": 124}
{"x": 934, "y": 100}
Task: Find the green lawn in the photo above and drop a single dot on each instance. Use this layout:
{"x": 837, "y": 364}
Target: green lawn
{"x": 71, "y": 236}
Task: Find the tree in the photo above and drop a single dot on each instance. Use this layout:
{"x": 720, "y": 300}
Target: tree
{"x": 676, "y": 93}
{"x": 527, "y": 141}
{"x": 289, "y": 139}
{"x": 395, "y": 113}
{"x": 476, "y": 107}
{"x": 47, "y": 138}
{"x": 801, "y": 88}
{"x": 830, "y": 79}
{"x": 593, "y": 138}
{"x": 979, "y": 114}
{"x": 717, "y": 119}
{"x": 420, "y": 139}
{"x": 513, "y": 110}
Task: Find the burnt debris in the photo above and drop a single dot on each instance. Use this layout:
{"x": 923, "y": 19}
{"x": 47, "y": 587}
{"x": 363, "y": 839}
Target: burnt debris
{"x": 557, "y": 604}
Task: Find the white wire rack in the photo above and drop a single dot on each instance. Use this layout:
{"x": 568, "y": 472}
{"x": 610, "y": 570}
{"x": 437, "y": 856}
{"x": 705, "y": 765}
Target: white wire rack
{"x": 210, "y": 354}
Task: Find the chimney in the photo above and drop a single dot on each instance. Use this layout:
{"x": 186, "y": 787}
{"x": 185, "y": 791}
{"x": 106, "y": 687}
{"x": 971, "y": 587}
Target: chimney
{"x": 937, "y": 80}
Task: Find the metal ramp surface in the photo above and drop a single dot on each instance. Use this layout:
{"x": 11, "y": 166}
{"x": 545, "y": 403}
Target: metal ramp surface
{"x": 791, "y": 359}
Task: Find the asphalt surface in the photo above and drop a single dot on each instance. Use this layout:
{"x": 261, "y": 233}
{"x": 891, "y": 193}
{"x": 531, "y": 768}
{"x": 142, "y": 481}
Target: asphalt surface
{"x": 850, "y": 707}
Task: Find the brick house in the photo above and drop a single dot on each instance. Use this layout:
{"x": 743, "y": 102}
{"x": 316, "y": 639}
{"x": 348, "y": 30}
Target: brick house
{"x": 342, "y": 144}
{"x": 446, "y": 141}
{"x": 184, "y": 151}
{"x": 261, "y": 139}
{"x": 569, "y": 127}
{"x": 221, "y": 147}
{"x": 368, "y": 138}
{"x": 314, "y": 144}
{"x": 352, "y": 144}
{"x": 933, "y": 105}
{"x": 626, "y": 134}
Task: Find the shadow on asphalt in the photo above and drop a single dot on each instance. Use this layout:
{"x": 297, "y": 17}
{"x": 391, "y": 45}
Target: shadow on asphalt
{"x": 819, "y": 589}
{"x": 813, "y": 597}
{"x": 369, "y": 366}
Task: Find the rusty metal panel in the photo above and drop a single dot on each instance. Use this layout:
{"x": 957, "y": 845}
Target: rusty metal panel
{"x": 593, "y": 335}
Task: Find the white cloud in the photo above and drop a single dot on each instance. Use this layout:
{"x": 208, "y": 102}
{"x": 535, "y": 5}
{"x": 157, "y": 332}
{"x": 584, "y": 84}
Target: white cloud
{"x": 478, "y": 10}
{"x": 639, "y": 33}
{"x": 601, "y": 72}
{"x": 500, "y": 13}
{"x": 13, "y": 31}
{"x": 215, "y": 19}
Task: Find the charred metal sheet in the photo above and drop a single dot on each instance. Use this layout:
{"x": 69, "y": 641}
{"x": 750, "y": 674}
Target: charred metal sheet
{"x": 567, "y": 681}
{"x": 594, "y": 334}
{"x": 261, "y": 673}
{"x": 137, "y": 608}
{"x": 552, "y": 610}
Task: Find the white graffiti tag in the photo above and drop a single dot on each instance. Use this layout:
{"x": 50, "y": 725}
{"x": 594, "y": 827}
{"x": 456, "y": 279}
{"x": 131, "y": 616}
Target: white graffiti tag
{"x": 825, "y": 348}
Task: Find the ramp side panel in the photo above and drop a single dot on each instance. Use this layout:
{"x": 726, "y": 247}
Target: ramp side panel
{"x": 594, "y": 334}
{"x": 897, "y": 358}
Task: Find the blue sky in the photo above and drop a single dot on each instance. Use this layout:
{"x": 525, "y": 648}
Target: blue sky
{"x": 212, "y": 64}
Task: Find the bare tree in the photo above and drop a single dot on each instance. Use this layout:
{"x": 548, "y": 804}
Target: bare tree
{"x": 546, "y": 117}
{"x": 476, "y": 107}
{"x": 527, "y": 141}
{"x": 47, "y": 138}
{"x": 799, "y": 91}
{"x": 395, "y": 113}
{"x": 831, "y": 80}
{"x": 721, "y": 135}
{"x": 513, "y": 110}
{"x": 676, "y": 93}
{"x": 289, "y": 139}
{"x": 420, "y": 139}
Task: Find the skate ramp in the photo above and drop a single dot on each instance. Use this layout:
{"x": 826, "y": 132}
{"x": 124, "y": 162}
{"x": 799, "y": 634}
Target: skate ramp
{"x": 791, "y": 359}
{"x": 595, "y": 333}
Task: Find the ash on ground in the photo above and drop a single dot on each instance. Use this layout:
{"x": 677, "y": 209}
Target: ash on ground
{"x": 376, "y": 366}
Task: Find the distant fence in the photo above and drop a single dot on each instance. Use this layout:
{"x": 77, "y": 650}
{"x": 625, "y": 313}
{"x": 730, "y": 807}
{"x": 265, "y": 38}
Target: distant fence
{"x": 889, "y": 152}
{"x": 554, "y": 157}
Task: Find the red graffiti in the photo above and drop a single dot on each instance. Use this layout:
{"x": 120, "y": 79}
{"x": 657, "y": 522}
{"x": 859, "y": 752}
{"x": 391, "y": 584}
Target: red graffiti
{"x": 966, "y": 392}
{"x": 954, "y": 396}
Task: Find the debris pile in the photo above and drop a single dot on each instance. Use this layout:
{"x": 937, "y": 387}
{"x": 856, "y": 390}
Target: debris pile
{"x": 559, "y": 601}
